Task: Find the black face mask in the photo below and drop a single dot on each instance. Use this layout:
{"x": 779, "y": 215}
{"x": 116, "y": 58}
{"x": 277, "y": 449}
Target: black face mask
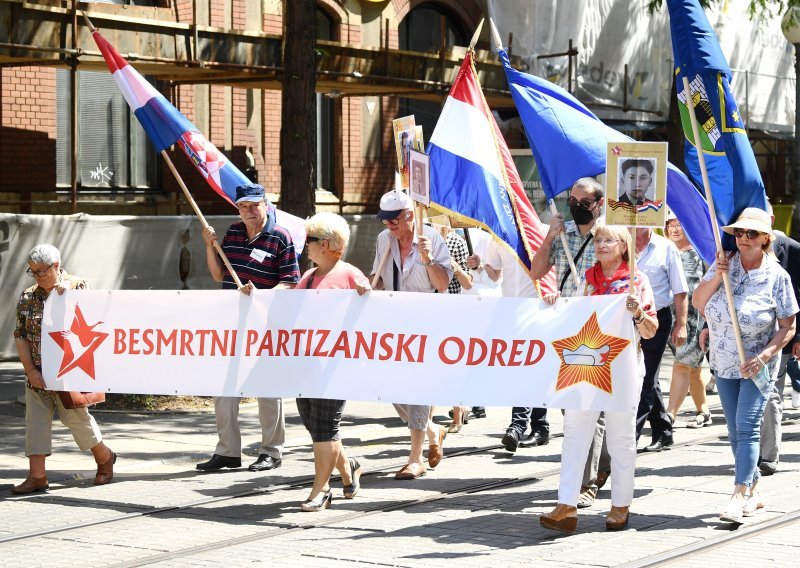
{"x": 580, "y": 215}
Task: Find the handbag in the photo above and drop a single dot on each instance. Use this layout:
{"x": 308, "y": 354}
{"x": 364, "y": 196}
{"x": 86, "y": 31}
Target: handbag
{"x": 76, "y": 399}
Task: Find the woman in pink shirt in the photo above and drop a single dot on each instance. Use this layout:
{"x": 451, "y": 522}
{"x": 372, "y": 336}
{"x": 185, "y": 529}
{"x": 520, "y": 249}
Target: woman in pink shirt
{"x": 326, "y": 241}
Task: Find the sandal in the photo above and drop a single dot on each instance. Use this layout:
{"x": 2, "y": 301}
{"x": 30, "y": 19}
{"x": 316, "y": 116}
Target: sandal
{"x": 586, "y": 498}
{"x": 351, "y": 490}
{"x": 318, "y": 503}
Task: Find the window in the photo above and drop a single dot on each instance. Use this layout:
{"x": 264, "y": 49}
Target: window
{"x": 114, "y": 152}
{"x": 325, "y": 109}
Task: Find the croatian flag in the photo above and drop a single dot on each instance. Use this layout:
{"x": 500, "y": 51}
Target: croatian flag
{"x": 473, "y": 177}
{"x": 165, "y": 126}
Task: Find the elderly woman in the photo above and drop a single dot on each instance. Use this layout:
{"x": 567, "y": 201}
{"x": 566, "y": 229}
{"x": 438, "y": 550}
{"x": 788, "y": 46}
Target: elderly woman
{"x": 327, "y": 238}
{"x": 44, "y": 265}
{"x": 688, "y": 367}
{"x": 765, "y": 308}
{"x": 609, "y": 275}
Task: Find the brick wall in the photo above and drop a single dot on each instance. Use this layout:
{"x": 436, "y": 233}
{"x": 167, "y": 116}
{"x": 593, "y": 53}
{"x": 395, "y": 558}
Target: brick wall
{"x": 27, "y": 130}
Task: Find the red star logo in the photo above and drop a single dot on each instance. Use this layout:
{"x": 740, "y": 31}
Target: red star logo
{"x": 587, "y": 356}
{"x": 617, "y": 150}
{"x": 78, "y": 344}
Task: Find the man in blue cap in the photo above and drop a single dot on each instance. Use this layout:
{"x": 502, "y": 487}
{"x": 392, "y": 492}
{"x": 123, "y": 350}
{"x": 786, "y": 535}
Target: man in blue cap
{"x": 262, "y": 255}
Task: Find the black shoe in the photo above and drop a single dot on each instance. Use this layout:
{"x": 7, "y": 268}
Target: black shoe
{"x": 218, "y": 462}
{"x": 510, "y": 440}
{"x": 768, "y": 468}
{"x": 535, "y": 439}
{"x": 265, "y": 462}
{"x": 478, "y": 412}
{"x": 659, "y": 444}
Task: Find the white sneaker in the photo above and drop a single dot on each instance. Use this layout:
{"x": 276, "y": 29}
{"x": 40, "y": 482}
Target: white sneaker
{"x": 753, "y": 504}
{"x": 734, "y": 513}
{"x": 795, "y": 399}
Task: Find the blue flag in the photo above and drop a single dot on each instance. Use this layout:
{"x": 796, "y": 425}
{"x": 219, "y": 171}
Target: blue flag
{"x": 569, "y": 142}
{"x": 732, "y": 169}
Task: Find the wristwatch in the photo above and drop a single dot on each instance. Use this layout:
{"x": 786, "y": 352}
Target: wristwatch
{"x": 429, "y": 263}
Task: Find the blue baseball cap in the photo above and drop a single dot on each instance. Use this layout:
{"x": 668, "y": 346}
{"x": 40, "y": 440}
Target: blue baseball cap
{"x": 249, "y": 192}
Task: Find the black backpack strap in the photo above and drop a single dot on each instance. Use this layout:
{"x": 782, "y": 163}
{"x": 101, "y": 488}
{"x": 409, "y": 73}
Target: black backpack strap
{"x": 575, "y": 260}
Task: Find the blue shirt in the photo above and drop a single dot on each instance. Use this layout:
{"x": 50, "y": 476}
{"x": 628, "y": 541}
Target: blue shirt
{"x": 661, "y": 261}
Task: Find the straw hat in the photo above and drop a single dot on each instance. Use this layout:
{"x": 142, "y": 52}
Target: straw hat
{"x": 752, "y": 218}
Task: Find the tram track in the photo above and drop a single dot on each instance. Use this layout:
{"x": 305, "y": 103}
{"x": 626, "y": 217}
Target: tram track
{"x": 318, "y": 522}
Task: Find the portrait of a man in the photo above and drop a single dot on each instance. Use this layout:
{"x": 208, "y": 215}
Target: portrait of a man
{"x": 636, "y": 180}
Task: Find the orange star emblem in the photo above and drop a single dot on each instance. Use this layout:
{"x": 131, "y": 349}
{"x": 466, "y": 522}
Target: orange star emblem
{"x": 587, "y": 356}
{"x": 79, "y": 345}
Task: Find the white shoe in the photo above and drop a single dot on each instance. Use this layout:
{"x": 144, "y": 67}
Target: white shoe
{"x": 734, "y": 513}
{"x": 753, "y": 504}
{"x": 795, "y": 399}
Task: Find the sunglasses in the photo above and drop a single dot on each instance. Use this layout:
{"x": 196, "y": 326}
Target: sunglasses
{"x": 583, "y": 203}
{"x": 395, "y": 221}
{"x": 313, "y": 239}
{"x": 38, "y": 273}
{"x": 750, "y": 234}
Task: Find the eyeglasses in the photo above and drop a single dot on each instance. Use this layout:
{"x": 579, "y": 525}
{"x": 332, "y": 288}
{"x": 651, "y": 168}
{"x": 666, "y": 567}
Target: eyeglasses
{"x": 312, "y": 239}
{"x": 38, "y": 273}
{"x": 393, "y": 222}
{"x": 583, "y": 203}
{"x": 750, "y": 233}
{"x": 610, "y": 242}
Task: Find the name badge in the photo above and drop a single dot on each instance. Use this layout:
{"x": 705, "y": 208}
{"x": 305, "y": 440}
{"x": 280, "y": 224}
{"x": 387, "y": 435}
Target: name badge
{"x": 259, "y": 255}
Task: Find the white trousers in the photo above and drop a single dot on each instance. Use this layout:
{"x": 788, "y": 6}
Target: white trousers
{"x": 270, "y": 416}
{"x": 579, "y": 426}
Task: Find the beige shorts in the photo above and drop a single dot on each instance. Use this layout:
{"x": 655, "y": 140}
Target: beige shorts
{"x": 415, "y": 415}
{"x": 39, "y": 409}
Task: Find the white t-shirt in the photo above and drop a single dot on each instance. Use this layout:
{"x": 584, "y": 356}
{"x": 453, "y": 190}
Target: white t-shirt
{"x": 516, "y": 281}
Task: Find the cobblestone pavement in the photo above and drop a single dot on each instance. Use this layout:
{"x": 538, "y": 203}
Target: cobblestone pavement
{"x": 479, "y": 507}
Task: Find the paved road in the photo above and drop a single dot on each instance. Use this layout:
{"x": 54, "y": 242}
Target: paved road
{"x": 479, "y": 507}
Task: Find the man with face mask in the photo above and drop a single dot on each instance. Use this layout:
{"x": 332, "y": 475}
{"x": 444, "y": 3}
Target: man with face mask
{"x": 585, "y": 204}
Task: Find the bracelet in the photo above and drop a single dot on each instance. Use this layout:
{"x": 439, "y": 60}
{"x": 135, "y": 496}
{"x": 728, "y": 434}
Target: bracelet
{"x": 760, "y": 360}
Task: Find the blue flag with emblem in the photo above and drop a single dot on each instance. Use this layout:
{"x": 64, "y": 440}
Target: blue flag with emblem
{"x": 732, "y": 169}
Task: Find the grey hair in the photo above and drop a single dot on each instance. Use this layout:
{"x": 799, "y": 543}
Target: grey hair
{"x": 590, "y": 184}
{"x": 330, "y": 227}
{"x": 44, "y": 254}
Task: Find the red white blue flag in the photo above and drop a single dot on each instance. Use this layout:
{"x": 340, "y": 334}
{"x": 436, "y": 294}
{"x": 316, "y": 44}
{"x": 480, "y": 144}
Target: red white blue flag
{"x": 165, "y": 126}
{"x": 473, "y": 177}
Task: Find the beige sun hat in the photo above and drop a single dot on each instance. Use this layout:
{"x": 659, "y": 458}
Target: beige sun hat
{"x": 752, "y": 218}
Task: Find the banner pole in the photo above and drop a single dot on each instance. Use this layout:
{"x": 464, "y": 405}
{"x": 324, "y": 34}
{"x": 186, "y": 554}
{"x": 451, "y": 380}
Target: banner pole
{"x": 384, "y": 258}
{"x": 200, "y": 216}
{"x": 712, "y": 212}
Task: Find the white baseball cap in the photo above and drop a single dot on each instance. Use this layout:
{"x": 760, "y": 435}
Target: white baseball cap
{"x": 393, "y": 203}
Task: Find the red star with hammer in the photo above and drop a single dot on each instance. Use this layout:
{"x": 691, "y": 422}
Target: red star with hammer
{"x": 78, "y": 344}
{"x": 587, "y": 356}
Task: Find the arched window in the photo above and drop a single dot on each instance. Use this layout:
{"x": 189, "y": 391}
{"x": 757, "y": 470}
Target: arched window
{"x": 421, "y": 30}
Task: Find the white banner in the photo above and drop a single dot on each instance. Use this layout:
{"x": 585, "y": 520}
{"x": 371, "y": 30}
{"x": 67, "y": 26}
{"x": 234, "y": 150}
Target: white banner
{"x": 384, "y": 346}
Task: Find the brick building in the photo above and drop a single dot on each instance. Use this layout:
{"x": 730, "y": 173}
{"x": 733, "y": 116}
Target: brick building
{"x": 232, "y": 99}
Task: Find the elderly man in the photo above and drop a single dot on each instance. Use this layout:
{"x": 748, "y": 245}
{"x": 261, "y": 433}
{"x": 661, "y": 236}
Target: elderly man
{"x": 263, "y": 256}
{"x": 660, "y": 260}
{"x": 416, "y": 263}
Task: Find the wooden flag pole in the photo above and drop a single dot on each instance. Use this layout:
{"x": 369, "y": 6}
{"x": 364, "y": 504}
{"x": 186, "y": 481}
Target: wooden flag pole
{"x": 200, "y": 216}
{"x": 632, "y": 258}
{"x": 712, "y": 212}
{"x": 386, "y": 254}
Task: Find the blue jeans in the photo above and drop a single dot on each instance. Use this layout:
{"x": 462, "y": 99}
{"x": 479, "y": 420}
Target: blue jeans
{"x": 743, "y": 405}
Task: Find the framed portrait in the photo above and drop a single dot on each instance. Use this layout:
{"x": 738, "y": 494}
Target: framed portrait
{"x": 405, "y": 133}
{"x": 636, "y": 184}
{"x": 419, "y": 179}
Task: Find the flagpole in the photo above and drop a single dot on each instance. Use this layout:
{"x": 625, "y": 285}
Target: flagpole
{"x": 200, "y": 216}
{"x": 712, "y": 212}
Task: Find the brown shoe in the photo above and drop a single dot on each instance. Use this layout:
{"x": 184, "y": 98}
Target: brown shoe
{"x": 435, "y": 451}
{"x": 410, "y": 471}
{"x": 30, "y": 485}
{"x": 602, "y": 477}
{"x": 617, "y": 519}
{"x": 563, "y": 518}
{"x": 105, "y": 471}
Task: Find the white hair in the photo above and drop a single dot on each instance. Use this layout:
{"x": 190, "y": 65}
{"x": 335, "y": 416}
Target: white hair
{"x": 330, "y": 227}
{"x": 44, "y": 254}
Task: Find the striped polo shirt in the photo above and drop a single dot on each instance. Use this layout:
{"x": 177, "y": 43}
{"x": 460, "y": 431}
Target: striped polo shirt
{"x": 267, "y": 260}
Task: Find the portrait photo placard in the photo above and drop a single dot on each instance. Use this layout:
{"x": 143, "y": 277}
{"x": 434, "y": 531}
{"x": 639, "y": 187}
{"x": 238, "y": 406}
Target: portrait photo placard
{"x": 419, "y": 179}
{"x": 636, "y": 184}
